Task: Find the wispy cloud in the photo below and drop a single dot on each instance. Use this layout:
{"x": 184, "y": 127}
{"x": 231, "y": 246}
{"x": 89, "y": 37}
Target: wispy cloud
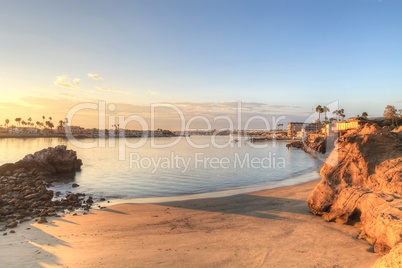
{"x": 152, "y": 92}
{"x": 95, "y": 76}
{"x": 112, "y": 90}
{"x": 64, "y": 81}
{"x": 76, "y": 81}
{"x": 64, "y": 95}
{"x": 58, "y": 105}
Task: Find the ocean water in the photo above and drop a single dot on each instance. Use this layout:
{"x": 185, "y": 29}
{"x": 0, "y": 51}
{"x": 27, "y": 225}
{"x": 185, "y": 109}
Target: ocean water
{"x": 176, "y": 172}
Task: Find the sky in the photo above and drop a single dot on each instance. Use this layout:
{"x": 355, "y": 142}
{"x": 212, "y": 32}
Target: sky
{"x": 277, "y": 57}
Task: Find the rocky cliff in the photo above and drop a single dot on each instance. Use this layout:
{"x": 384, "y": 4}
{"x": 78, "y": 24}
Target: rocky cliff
{"x": 362, "y": 185}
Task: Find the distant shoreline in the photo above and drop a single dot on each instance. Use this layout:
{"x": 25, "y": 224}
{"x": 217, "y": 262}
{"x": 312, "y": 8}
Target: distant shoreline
{"x": 63, "y": 136}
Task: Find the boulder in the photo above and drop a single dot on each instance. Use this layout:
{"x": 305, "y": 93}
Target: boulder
{"x": 50, "y": 161}
{"x": 362, "y": 185}
{"x": 12, "y": 224}
{"x": 42, "y": 220}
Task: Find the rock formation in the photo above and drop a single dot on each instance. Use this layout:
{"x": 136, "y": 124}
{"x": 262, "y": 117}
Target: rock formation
{"x": 23, "y": 186}
{"x": 50, "y": 161}
{"x": 362, "y": 185}
{"x": 319, "y": 147}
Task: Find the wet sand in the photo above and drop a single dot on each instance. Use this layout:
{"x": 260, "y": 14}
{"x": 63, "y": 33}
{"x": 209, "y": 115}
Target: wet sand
{"x": 269, "y": 228}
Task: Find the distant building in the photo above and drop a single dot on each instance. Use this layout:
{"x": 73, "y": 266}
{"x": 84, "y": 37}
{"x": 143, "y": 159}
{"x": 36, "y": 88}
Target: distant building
{"x": 343, "y": 127}
{"x": 75, "y": 130}
{"x": 30, "y": 130}
{"x": 14, "y": 130}
{"x": 305, "y": 128}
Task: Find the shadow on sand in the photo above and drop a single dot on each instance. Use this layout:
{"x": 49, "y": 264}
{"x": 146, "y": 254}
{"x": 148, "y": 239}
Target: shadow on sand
{"x": 265, "y": 207}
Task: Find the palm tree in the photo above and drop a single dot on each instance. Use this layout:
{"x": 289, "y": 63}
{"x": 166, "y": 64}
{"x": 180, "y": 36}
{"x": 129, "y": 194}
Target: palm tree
{"x": 18, "y": 120}
{"x": 49, "y": 124}
{"x": 7, "y": 121}
{"x": 29, "y": 120}
{"x": 43, "y": 118}
{"x": 365, "y": 114}
{"x": 336, "y": 113}
{"x": 326, "y": 109}
{"x": 341, "y": 113}
{"x": 318, "y": 109}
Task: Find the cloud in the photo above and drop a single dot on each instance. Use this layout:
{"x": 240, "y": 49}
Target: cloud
{"x": 76, "y": 81}
{"x": 64, "y": 95}
{"x": 152, "y": 92}
{"x": 112, "y": 90}
{"x": 166, "y": 118}
{"x": 95, "y": 76}
{"x": 63, "y": 81}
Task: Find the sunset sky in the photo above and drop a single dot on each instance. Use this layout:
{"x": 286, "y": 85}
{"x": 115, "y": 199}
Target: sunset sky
{"x": 277, "y": 57}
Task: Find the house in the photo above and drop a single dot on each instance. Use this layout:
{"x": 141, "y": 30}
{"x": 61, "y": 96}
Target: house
{"x": 295, "y": 127}
{"x": 343, "y": 127}
{"x": 75, "y": 130}
{"x": 14, "y": 130}
{"x": 30, "y": 130}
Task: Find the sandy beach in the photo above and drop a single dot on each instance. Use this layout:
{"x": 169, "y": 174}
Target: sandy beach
{"x": 269, "y": 228}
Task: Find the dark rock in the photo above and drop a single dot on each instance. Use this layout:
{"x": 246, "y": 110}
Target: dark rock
{"x": 75, "y": 185}
{"x": 51, "y": 160}
{"x": 90, "y": 200}
{"x": 23, "y": 186}
{"x": 31, "y": 196}
{"x": 12, "y": 224}
{"x": 42, "y": 220}
{"x": 12, "y": 232}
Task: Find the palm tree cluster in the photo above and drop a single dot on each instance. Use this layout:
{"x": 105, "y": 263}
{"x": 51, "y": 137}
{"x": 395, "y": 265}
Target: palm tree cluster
{"x": 339, "y": 114}
{"x": 322, "y": 110}
{"x": 29, "y": 122}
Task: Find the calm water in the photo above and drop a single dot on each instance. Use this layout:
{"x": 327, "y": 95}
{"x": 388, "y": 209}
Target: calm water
{"x": 238, "y": 166}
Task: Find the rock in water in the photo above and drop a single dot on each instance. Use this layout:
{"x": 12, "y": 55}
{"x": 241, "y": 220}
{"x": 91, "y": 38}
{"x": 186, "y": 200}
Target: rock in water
{"x": 50, "y": 160}
{"x": 362, "y": 184}
{"x": 23, "y": 192}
